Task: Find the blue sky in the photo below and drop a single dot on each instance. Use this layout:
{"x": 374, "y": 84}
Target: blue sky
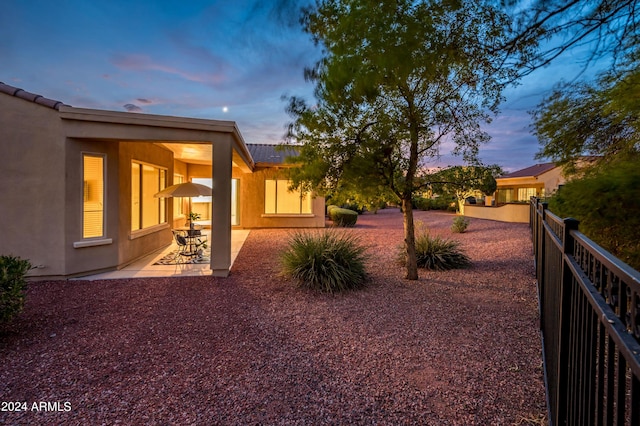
{"x": 206, "y": 59}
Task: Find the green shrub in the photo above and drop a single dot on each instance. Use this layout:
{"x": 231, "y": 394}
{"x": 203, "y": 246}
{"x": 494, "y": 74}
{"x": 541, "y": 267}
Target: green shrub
{"x": 439, "y": 203}
{"x": 440, "y": 254}
{"x": 12, "y": 286}
{"x": 358, "y": 208}
{"x": 374, "y": 206}
{"x": 436, "y": 253}
{"x": 421, "y": 203}
{"x": 331, "y": 207}
{"x": 325, "y": 261}
{"x": 606, "y": 202}
{"x": 343, "y": 217}
{"x": 460, "y": 224}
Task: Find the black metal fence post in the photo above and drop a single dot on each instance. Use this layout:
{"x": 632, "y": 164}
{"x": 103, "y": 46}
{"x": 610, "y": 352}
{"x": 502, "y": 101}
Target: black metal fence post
{"x": 564, "y": 332}
{"x": 540, "y": 255}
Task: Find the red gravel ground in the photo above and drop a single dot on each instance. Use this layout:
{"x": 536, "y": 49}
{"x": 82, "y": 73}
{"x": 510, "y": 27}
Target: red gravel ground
{"x": 453, "y": 348}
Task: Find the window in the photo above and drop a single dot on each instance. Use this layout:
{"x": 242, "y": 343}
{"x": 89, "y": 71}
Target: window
{"x": 280, "y": 200}
{"x": 525, "y": 194}
{"x": 504, "y": 195}
{"x": 146, "y": 210}
{"x": 203, "y": 205}
{"x": 93, "y": 195}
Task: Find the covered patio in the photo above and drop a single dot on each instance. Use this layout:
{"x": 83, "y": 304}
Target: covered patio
{"x": 148, "y": 266}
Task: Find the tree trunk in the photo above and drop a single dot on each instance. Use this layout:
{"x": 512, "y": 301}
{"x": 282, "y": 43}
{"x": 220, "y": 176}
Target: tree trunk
{"x": 409, "y": 240}
{"x": 461, "y": 206}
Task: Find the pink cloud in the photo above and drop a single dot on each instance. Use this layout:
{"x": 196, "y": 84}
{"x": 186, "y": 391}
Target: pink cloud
{"x": 145, "y": 63}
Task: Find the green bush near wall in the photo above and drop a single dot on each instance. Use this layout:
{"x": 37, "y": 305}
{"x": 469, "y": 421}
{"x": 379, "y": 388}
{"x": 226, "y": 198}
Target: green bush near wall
{"x": 343, "y": 217}
{"x": 331, "y": 207}
{"x": 13, "y": 286}
{"x": 440, "y": 203}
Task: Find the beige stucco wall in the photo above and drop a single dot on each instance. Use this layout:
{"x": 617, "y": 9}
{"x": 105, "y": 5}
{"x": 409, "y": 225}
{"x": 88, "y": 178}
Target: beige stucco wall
{"x": 80, "y": 259}
{"x": 32, "y": 195}
{"x": 504, "y": 213}
{"x": 552, "y": 180}
{"x": 41, "y": 208}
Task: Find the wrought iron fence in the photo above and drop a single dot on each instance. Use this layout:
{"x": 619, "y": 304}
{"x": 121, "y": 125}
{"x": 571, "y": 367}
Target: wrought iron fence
{"x": 590, "y": 321}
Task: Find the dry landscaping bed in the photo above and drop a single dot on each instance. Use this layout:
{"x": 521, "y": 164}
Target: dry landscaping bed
{"x": 454, "y": 348}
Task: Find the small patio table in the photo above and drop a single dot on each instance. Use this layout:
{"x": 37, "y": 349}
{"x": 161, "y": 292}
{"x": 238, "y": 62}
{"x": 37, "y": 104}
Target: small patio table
{"x": 194, "y": 239}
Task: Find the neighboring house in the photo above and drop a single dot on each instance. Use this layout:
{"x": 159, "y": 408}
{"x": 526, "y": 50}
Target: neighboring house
{"x": 515, "y": 189}
{"x": 78, "y": 185}
{"x": 540, "y": 180}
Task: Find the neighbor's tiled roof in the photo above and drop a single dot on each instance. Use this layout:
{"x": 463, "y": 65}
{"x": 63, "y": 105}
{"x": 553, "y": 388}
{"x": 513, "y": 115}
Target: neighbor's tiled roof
{"x": 266, "y": 153}
{"x": 535, "y": 170}
{"x": 22, "y": 94}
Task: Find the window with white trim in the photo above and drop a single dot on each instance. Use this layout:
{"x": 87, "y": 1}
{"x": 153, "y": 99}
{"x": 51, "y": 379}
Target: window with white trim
{"x": 146, "y": 210}
{"x": 280, "y": 200}
{"x": 93, "y": 189}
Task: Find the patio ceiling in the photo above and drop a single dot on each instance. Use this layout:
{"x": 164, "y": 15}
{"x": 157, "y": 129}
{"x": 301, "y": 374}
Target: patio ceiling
{"x": 199, "y": 153}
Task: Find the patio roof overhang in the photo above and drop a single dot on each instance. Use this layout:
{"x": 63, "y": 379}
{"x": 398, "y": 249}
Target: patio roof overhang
{"x": 523, "y": 180}
{"x": 220, "y": 140}
{"x": 189, "y": 138}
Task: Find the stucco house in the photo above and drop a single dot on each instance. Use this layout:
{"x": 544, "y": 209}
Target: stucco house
{"x": 539, "y": 180}
{"x": 515, "y": 189}
{"x": 78, "y": 184}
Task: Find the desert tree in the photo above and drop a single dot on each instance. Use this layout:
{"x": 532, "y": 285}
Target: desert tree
{"x": 398, "y": 82}
{"x": 600, "y": 119}
{"x": 466, "y": 181}
{"x": 606, "y": 28}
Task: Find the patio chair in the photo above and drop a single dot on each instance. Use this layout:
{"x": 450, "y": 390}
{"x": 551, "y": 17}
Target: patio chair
{"x": 189, "y": 245}
{"x": 184, "y": 250}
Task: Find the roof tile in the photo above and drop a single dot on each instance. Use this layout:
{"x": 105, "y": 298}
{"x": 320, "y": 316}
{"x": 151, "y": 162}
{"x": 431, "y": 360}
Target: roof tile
{"x": 270, "y": 154}
{"x": 535, "y": 170}
{"x": 32, "y": 97}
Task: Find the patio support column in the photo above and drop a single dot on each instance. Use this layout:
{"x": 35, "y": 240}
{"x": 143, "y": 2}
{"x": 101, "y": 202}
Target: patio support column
{"x": 221, "y": 209}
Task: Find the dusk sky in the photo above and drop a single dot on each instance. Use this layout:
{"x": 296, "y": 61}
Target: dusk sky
{"x": 206, "y": 59}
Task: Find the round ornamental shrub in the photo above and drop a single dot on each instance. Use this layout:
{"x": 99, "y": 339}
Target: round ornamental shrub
{"x": 328, "y": 262}
{"x": 330, "y": 208}
{"x": 343, "y": 217}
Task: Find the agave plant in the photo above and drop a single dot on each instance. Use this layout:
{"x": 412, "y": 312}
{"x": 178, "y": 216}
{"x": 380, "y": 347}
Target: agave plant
{"x": 440, "y": 254}
{"x": 325, "y": 261}
{"x": 436, "y": 253}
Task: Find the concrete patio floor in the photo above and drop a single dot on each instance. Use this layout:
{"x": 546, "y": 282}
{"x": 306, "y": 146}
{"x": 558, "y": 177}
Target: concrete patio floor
{"x": 145, "y": 267}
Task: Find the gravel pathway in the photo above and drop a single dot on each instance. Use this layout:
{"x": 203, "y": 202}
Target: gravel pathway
{"x": 453, "y": 348}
